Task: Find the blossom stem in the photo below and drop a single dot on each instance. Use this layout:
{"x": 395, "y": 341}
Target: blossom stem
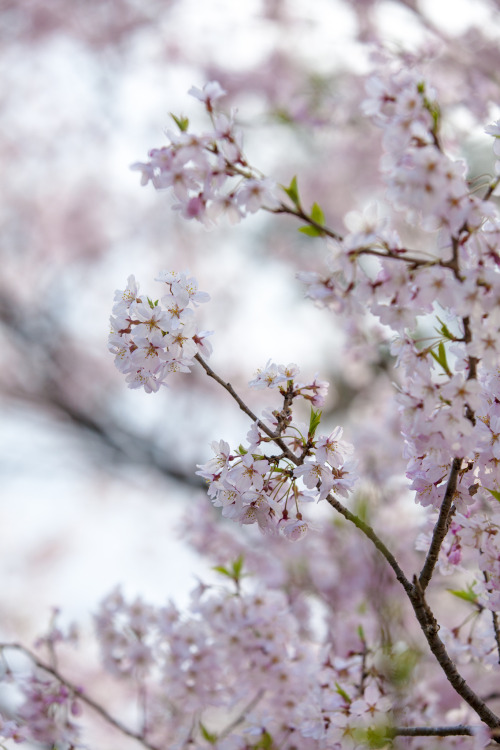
{"x": 491, "y": 189}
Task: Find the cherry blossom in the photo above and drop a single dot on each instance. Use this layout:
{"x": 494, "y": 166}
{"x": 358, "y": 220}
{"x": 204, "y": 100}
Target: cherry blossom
{"x": 152, "y": 340}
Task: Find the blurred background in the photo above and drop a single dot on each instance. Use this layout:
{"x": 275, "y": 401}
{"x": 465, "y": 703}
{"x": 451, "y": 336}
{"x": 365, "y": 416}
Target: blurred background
{"x": 94, "y": 477}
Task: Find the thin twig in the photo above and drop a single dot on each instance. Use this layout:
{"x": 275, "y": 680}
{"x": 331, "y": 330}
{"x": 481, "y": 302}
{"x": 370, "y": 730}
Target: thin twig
{"x": 229, "y": 388}
{"x": 391, "y": 255}
{"x": 379, "y": 544}
{"x": 491, "y": 189}
{"x": 301, "y": 214}
{"x": 79, "y": 694}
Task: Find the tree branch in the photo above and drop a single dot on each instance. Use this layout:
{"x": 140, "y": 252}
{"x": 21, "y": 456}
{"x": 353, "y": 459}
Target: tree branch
{"x": 372, "y": 536}
{"x": 458, "y": 730}
{"x": 90, "y": 702}
{"x": 441, "y": 527}
{"x": 416, "y": 590}
{"x": 244, "y": 408}
{"x": 430, "y": 629}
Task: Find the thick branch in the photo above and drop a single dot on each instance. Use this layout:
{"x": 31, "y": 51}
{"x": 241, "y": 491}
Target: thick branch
{"x": 430, "y": 629}
{"x": 426, "y": 620}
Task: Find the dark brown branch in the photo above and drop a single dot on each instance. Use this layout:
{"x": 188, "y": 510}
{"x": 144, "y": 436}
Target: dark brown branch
{"x": 430, "y": 628}
{"x": 430, "y": 731}
{"x": 391, "y": 255}
{"x": 441, "y": 527}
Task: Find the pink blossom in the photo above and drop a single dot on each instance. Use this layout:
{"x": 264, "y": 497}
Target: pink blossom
{"x": 210, "y": 93}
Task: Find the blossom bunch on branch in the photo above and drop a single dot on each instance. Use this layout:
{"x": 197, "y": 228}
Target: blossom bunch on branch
{"x": 151, "y": 340}
{"x": 208, "y": 172}
{"x": 268, "y": 487}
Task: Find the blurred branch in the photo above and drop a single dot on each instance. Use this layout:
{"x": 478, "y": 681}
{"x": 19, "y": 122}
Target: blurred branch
{"x": 36, "y": 340}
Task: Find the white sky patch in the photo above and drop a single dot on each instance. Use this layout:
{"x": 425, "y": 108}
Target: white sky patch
{"x": 454, "y": 16}
{"x": 72, "y": 538}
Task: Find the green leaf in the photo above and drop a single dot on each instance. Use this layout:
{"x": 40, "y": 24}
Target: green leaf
{"x": 342, "y": 692}
{"x": 265, "y": 742}
{"x": 434, "y": 109}
{"x": 374, "y": 737}
{"x": 181, "y": 122}
{"x": 318, "y": 217}
{"x": 241, "y": 450}
{"x": 467, "y": 594}
{"x": 237, "y": 567}
{"x": 311, "y": 231}
{"x": 222, "y": 570}
{"x": 314, "y": 421}
{"x": 317, "y": 214}
{"x": 293, "y": 192}
{"x": 235, "y": 572}
{"x": 208, "y": 736}
{"x": 440, "y": 357}
{"x": 402, "y": 666}
{"x": 445, "y": 331}
{"x": 495, "y": 493}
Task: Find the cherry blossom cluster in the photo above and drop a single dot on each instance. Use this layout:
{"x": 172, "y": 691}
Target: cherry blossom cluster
{"x": 241, "y": 651}
{"x": 254, "y": 484}
{"x": 151, "y": 340}
{"x": 49, "y": 710}
{"x": 208, "y": 172}
{"x": 422, "y": 180}
{"x": 448, "y": 396}
{"x": 476, "y": 535}
{"x": 244, "y": 667}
